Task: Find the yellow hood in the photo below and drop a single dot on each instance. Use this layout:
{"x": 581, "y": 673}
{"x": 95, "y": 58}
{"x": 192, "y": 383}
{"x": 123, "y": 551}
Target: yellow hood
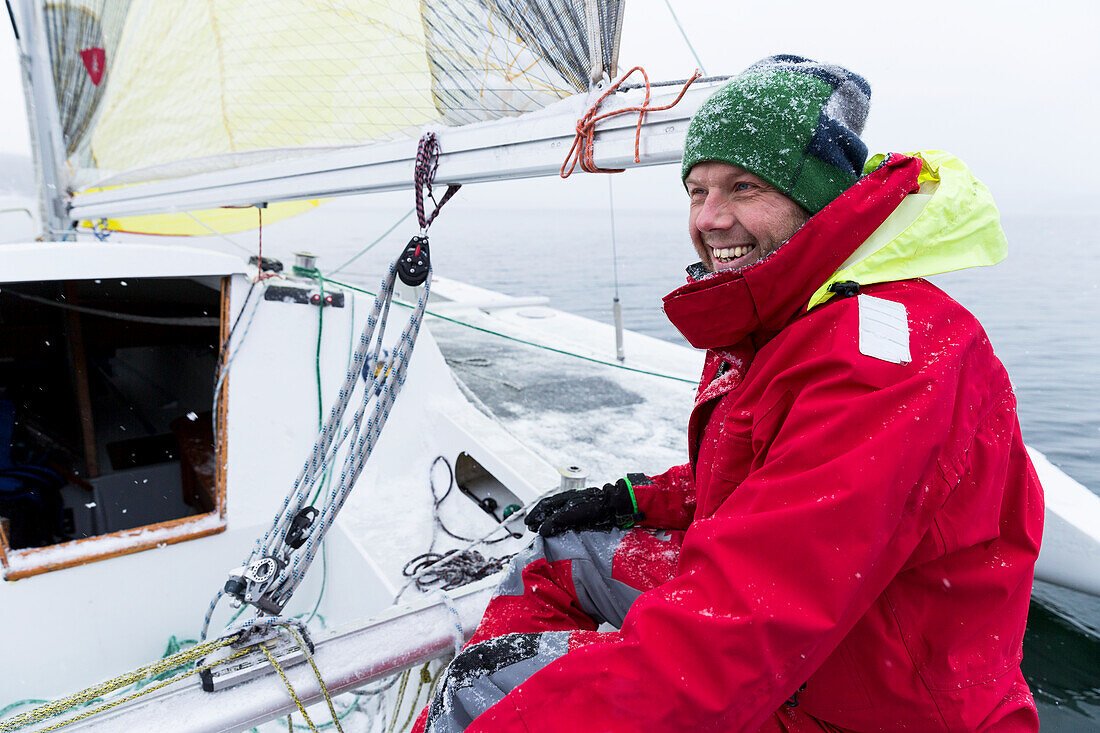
{"x": 950, "y": 224}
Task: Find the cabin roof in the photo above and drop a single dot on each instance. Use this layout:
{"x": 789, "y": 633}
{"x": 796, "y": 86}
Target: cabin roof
{"x": 35, "y": 261}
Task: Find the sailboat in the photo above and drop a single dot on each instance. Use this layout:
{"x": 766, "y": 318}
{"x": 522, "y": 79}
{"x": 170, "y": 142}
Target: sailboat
{"x": 155, "y": 442}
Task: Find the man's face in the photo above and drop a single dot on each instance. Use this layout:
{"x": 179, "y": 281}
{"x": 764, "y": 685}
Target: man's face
{"x": 737, "y": 218}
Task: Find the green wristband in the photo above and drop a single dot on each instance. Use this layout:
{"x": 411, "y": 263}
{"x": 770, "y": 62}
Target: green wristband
{"x": 630, "y": 488}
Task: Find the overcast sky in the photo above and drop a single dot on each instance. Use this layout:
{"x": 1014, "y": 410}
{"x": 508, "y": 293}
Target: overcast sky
{"x": 1010, "y": 87}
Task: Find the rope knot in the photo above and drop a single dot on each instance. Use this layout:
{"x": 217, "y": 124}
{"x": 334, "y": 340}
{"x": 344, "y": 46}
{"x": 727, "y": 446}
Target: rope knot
{"x": 584, "y": 143}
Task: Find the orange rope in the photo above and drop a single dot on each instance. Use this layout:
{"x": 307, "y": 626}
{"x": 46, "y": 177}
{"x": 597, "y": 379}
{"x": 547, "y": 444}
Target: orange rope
{"x": 584, "y": 143}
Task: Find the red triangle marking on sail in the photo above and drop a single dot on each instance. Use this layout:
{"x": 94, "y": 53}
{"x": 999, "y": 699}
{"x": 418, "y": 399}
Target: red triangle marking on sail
{"x": 95, "y": 61}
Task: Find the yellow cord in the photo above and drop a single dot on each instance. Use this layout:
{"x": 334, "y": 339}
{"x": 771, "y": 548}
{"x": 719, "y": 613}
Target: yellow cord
{"x": 400, "y": 699}
{"x": 317, "y": 672}
{"x": 289, "y": 687}
{"x": 425, "y": 677}
{"x": 89, "y": 695}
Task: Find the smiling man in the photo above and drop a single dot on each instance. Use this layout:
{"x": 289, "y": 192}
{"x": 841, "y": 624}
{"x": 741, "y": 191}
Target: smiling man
{"x": 737, "y": 218}
{"x": 852, "y": 543}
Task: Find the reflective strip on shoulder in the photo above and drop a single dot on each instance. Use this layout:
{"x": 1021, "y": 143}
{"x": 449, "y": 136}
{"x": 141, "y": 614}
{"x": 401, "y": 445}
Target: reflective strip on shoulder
{"x": 883, "y": 330}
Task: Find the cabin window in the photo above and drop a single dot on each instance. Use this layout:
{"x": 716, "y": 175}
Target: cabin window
{"x": 107, "y": 429}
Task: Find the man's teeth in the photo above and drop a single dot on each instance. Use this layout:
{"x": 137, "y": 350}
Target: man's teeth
{"x": 731, "y": 253}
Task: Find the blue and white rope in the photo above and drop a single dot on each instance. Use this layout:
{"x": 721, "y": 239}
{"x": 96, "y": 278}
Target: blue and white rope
{"x": 392, "y": 381}
{"x": 331, "y": 439}
{"x": 459, "y": 636}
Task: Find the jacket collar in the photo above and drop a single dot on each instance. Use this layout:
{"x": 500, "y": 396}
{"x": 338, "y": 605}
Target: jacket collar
{"x": 722, "y": 309}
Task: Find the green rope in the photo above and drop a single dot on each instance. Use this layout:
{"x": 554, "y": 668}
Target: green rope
{"x": 324, "y": 580}
{"x": 315, "y": 274}
{"x": 523, "y": 341}
{"x": 317, "y": 354}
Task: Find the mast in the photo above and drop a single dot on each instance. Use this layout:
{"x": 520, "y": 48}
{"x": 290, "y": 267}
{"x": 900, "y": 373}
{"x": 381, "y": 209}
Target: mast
{"x": 47, "y": 140}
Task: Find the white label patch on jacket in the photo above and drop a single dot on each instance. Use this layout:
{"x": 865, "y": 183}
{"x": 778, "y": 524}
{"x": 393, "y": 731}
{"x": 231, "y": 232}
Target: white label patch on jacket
{"x": 883, "y": 329}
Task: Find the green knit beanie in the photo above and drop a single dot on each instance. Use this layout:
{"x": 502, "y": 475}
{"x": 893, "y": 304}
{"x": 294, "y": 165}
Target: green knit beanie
{"x": 792, "y": 121}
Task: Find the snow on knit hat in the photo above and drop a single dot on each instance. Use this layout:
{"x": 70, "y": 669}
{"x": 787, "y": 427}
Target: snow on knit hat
{"x": 792, "y": 121}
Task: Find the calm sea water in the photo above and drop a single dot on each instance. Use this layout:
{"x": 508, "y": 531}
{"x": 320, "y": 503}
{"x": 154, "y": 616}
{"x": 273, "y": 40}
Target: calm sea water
{"x": 1040, "y": 308}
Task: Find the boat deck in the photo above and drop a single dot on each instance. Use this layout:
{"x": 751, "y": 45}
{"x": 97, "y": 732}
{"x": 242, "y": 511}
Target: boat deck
{"x": 605, "y": 419}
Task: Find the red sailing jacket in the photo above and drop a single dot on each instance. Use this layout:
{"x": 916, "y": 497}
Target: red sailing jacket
{"x": 863, "y": 528}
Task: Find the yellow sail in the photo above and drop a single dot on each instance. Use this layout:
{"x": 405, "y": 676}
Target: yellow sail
{"x": 190, "y": 86}
{"x": 150, "y": 90}
{"x": 280, "y": 78}
{"x": 207, "y": 221}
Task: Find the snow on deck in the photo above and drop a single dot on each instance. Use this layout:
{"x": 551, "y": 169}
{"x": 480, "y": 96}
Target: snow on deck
{"x": 606, "y": 420}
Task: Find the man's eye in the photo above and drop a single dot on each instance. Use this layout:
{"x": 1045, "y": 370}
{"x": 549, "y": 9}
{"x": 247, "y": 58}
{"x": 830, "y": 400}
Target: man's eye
{"x": 742, "y": 186}
{"x": 696, "y": 193}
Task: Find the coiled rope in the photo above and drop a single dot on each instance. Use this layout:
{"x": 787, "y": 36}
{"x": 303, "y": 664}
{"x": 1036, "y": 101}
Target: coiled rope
{"x": 452, "y": 569}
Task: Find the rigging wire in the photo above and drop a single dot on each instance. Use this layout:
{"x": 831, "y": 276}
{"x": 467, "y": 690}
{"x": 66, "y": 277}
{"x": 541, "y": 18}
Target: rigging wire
{"x": 189, "y": 321}
{"x": 216, "y": 233}
{"x": 370, "y": 246}
{"x": 324, "y": 546}
{"x": 260, "y": 274}
{"x": 525, "y": 342}
{"x": 226, "y": 356}
{"x": 11, "y": 17}
{"x": 614, "y": 251}
{"x": 674, "y": 82}
{"x": 141, "y": 680}
{"x": 687, "y": 40}
{"x": 451, "y": 569}
{"x": 461, "y": 565}
{"x": 486, "y": 505}
{"x": 427, "y": 162}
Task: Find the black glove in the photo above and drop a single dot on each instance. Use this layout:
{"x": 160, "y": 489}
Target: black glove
{"x": 611, "y": 505}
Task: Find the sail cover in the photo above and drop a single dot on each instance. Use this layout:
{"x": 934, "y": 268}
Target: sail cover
{"x": 152, "y": 89}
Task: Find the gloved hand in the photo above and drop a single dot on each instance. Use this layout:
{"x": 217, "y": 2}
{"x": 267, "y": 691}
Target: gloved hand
{"x": 612, "y": 505}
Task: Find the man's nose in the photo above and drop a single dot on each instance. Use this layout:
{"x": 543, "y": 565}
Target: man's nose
{"x": 715, "y": 215}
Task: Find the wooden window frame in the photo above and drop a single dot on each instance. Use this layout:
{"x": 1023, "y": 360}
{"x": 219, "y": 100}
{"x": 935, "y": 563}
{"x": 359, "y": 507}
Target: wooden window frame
{"x": 24, "y": 563}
